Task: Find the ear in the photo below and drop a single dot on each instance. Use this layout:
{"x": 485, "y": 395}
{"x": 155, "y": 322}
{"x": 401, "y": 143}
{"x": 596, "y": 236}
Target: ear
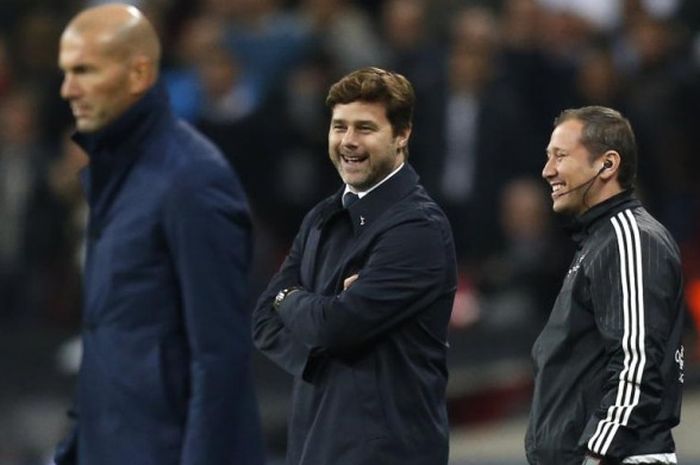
{"x": 402, "y": 138}
{"x": 611, "y": 162}
{"x": 141, "y": 75}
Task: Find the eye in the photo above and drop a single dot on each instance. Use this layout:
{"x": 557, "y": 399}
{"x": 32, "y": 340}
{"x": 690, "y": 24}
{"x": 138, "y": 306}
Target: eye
{"x": 556, "y": 156}
{"x": 82, "y": 69}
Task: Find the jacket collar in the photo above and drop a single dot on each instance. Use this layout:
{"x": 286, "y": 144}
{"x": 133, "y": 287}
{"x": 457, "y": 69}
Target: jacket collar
{"x": 114, "y": 148}
{"x": 107, "y": 145}
{"x": 370, "y": 207}
{"x": 583, "y": 225}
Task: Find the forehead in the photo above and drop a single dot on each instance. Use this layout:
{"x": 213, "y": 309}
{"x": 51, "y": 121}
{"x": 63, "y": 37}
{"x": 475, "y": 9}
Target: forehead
{"x": 566, "y": 136}
{"x": 73, "y": 47}
{"x": 76, "y": 47}
{"x": 360, "y": 111}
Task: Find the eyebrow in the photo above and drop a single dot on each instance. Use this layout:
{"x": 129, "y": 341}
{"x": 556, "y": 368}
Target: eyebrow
{"x": 359, "y": 121}
{"x": 362, "y": 122}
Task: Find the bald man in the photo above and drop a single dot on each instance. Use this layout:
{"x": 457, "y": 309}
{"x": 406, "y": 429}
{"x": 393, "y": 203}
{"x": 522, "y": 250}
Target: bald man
{"x": 165, "y": 375}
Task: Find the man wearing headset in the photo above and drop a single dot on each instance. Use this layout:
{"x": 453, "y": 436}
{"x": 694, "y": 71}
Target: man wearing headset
{"x": 609, "y": 362}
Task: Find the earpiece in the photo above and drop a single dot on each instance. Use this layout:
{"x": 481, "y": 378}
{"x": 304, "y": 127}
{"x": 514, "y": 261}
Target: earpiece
{"x": 607, "y": 164}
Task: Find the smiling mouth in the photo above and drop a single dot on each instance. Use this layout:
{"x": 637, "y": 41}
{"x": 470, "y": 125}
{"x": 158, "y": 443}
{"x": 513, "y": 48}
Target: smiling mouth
{"x": 557, "y": 189}
{"x": 79, "y": 111}
{"x": 353, "y": 160}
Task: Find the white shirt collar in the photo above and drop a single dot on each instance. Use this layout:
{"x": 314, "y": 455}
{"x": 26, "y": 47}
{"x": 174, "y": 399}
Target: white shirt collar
{"x": 362, "y": 194}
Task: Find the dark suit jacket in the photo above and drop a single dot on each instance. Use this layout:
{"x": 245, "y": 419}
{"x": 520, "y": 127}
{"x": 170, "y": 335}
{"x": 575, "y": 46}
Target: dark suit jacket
{"x": 165, "y": 370}
{"x": 369, "y": 362}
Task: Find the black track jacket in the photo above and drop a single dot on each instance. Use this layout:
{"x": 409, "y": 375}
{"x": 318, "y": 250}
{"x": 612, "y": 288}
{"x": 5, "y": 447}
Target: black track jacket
{"x": 609, "y": 362}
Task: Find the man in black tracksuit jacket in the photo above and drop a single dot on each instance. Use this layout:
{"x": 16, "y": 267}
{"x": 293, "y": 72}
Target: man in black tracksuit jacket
{"x": 609, "y": 362}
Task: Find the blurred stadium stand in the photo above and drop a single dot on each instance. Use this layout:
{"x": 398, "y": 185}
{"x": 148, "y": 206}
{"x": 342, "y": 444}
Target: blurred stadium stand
{"x": 490, "y": 76}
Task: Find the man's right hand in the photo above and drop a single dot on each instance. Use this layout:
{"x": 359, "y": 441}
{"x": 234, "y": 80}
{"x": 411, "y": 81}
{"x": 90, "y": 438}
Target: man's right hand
{"x": 348, "y": 281}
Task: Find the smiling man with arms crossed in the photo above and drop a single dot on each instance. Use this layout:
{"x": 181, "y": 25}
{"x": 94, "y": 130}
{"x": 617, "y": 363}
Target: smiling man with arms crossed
{"x": 608, "y": 364}
{"x": 358, "y": 312}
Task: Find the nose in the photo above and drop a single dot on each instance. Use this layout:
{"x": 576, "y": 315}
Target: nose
{"x": 69, "y": 87}
{"x": 349, "y": 138}
{"x": 548, "y": 170}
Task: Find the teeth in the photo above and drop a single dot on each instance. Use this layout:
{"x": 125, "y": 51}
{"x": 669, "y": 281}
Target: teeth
{"x": 556, "y": 187}
{"x": 352, "y": 159}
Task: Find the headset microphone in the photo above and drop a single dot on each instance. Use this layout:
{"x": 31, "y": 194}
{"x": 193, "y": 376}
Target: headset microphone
{"x": 606, "y": 165}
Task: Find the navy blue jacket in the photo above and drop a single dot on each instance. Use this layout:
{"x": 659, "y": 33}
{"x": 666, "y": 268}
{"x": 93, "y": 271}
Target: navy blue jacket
{"x": 165, "y": 375}
{"x": 369, "y": 362}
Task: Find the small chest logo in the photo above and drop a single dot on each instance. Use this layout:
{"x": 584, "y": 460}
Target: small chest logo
{"x": 680, "y": 356}
{"x": 575, "y": 267}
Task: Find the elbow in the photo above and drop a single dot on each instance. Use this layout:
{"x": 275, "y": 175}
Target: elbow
{"x": 339, "y": 338}
{"x": 263, "y": 329}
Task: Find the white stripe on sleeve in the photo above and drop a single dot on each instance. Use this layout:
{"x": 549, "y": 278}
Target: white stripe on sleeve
{"x": 632, "y": 288}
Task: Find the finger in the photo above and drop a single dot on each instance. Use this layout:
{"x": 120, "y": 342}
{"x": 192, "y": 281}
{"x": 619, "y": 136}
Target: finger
{"x": 348, "y": 281}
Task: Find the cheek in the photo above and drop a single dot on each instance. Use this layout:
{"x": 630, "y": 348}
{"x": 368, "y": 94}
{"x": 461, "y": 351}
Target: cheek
{"x": 99, "y": 90}
{"x": 113, "y": 95}
{"x": 332, "y": 148}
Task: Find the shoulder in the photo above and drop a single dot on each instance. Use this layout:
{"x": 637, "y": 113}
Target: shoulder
{"x": 194, "y": 171}
{"x": 193, "y": 161}
{"x": 634, "y": 234}
{"x": 415, "y": 232}
{"x": 418, "y": 206}
{"x": 636, "y": 227}
{"x": 417, "y": 222}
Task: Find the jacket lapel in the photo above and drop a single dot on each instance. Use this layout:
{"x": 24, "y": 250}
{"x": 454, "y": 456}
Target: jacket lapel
{"x": 307, "y": 271}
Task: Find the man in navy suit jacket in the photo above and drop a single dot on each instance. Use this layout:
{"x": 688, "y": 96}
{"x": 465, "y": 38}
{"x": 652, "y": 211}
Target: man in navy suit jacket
{"x": 164, "y": 378}
{"x": 358, "y": 312}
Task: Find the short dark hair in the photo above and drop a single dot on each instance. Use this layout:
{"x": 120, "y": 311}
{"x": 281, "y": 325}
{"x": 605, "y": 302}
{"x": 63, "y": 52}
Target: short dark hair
{"x": 377, "y": 85}
{"x": 606, "y": 129}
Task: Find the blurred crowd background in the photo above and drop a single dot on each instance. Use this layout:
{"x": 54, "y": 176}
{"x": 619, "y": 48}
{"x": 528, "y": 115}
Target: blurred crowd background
{"x": 490, "y": 76}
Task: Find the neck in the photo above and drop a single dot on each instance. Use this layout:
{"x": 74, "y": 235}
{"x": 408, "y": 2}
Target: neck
{"x": 605, "y": 191}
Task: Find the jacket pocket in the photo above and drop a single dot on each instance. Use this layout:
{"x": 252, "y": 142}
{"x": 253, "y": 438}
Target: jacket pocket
{"x": 370, "y": 399}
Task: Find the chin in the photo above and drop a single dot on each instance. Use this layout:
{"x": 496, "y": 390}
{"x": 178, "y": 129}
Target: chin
{"x": 560, "y": 208}
{"x": 357, "y": 186}
{"x": 566, "y": 210}
{"x": 86, "y": 127}
{"x": 355, "y": 182}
